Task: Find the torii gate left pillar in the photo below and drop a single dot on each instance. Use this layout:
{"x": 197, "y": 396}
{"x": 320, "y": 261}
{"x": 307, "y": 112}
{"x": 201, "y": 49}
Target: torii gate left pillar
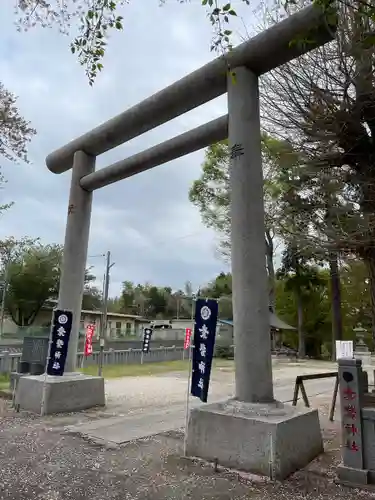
{"x": 73, "y": 391}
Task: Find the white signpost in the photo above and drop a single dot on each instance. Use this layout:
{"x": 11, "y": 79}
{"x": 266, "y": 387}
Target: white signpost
{"x": 344, "y": 349}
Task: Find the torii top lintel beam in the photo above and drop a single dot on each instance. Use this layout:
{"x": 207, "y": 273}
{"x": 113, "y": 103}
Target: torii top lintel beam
{"x": 266, "y": 51}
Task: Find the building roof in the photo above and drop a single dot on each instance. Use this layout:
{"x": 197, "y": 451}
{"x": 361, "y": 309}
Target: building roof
{"x": 98, "y": 312}
{"x": 278, "y": 323}
{"x": 275, "y": 322}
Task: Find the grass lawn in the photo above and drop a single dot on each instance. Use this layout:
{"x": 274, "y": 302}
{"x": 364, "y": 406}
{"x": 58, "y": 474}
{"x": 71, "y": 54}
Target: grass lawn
{"x": 4, "y": 382}
{"x": 113, "y": 371}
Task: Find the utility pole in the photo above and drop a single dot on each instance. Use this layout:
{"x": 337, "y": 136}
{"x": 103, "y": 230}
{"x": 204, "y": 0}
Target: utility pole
{"x": 103, "y": 326}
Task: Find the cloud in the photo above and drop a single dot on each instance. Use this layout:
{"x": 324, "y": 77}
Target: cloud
{"x": 147, "y": 222}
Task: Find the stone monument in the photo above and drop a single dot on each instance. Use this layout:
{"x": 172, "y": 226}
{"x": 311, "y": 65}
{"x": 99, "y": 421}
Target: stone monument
{"x": 357, "y": 468}
{"x": 33, "y": 359}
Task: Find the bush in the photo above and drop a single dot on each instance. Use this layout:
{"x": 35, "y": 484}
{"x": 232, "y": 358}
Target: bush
{"x": 224, "y": 352}
{"x": 326, "y": 353}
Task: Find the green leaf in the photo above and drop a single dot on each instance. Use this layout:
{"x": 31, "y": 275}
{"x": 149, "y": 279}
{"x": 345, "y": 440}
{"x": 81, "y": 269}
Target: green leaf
{"x": 90, "y": 14}
{"x": 118, "y": 25}
{"x": 73, "y": 49}
{"x": 204, "y": 2}
{"x": 227, "y": 7}
{"x": 232, "y": 12}
{"x": 227, "y": 32}
{"x": 369, "y": 41}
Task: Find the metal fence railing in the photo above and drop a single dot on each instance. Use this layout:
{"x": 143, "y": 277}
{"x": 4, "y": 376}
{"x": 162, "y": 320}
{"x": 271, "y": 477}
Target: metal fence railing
{"x": 9, "y": 361}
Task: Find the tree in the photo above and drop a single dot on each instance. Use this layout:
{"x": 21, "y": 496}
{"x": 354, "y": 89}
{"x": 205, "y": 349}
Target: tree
{"x": 221, "y": 288}
{"x": 211, "y": 194}
{"x": 315, "y": 313}
{"x": 115, "y": 305}
{"x": 31, "y": 276}
{"x": 96, "y": 18}
{"x": 15, "y": 131}
{"x": 33, "y": 279}
{"x": 15, "y": 134}
{"x": 127, "y": 297}
{"x": 356, "y": 296}
{"x": 155, "y": 302}
{"x": 313, "y": 215}
{"x": 92, "y": 297}
{"x": 300, "y": 278}
{"x": 325, "y": 105}
{"x": 179, "y": 303}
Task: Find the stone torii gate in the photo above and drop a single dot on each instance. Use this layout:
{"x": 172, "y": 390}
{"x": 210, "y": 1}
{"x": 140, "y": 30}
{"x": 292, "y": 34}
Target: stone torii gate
{"x": 252, "y": 431}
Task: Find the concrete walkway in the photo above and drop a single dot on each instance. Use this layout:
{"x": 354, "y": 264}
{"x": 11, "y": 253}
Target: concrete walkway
{"x": 145, "y": 406}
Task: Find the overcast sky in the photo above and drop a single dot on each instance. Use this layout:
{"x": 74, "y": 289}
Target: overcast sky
{"x": 147, "y": 222}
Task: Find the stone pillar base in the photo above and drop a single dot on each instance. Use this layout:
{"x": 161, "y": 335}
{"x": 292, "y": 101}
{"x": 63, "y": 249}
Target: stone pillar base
{"x": 352, "y": 477}
{"x": 273, "y": 439}
{"x": 69, "y": 393}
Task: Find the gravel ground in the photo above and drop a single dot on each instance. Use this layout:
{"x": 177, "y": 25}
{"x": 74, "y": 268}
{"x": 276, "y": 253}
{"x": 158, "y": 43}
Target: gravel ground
{"x": 129, "y": 394}
{"x": 40, "y": 460}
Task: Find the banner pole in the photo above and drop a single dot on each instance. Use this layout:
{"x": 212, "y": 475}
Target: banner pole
{"x": 44, "y": 388}
{"x": 84, "y": 349}
{"x": 189, "y": 377}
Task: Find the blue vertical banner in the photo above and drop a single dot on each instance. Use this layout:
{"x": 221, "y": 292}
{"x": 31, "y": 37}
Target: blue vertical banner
{"x": 147, "y": 334}
{"x": 60, "y": 334}
{"x": 206, "y": 314}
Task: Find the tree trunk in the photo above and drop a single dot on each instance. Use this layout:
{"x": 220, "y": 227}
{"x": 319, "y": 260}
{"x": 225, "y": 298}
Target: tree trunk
{"x": 301, "y": 337}
{"x": 270, "y": 269}
{"x": 335, "y": 301}
{"x": 370, "y": 261}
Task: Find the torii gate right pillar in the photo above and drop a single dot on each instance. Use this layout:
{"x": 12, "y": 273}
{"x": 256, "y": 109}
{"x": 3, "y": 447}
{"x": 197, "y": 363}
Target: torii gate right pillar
{"x": 251, "y": 432}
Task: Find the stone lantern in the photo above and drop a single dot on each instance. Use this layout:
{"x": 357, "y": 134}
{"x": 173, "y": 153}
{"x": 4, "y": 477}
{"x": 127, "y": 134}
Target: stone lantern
{"x": 361, "y": 350}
